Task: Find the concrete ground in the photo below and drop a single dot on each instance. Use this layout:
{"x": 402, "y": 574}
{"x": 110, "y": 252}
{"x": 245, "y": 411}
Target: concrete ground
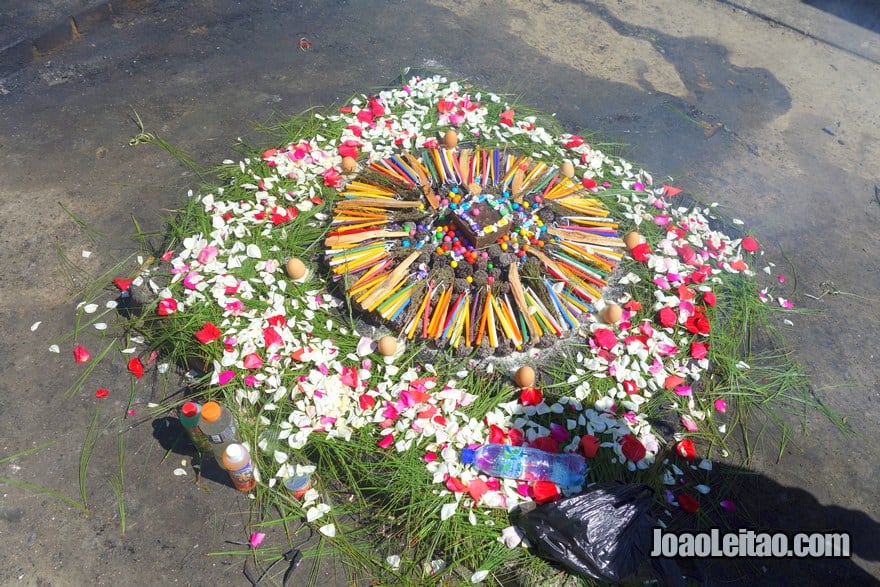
{"x": 793, "y": 85}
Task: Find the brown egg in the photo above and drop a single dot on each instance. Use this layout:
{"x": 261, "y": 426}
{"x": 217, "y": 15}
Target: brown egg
{"x": 387, "y": 346}
{"x": 567, "y": 168}
{"x": 611, "y": 314}
{"x": 524, "y": 376}
{"x": 632, "y": 240}
{"x": 450, "y": 139}
{"x": 296, "y": 269}
{"x": 349, "y": 164}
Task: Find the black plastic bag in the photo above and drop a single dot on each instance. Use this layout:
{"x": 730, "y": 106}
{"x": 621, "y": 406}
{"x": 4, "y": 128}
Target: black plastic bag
{"x": 602, "y": 534}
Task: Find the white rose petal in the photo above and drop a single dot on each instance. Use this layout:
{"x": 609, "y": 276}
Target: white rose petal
{"x": 313, "y": 514}
{"x": 54, "y": 349}
{"x": 448, "y": 510}
{"x": 35, "y": 325}
{"x": 178, "y": 472}
{"x": 479, "y": 576}
{"x": 511, "y": 537}
{"x": 328, "y": 530}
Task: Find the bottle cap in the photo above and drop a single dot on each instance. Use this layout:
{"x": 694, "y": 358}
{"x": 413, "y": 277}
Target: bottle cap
{"x": 235, "y": 452}
{"x": 468, "y": 455}
{"x": 189, "y": 409}
{"x": 211, "y": 411}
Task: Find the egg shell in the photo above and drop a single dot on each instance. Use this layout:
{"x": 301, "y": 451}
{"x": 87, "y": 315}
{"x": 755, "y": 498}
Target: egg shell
{"x": 567, "y": 169}
{"x": 387, "y": 346}
{"x": 295, "y": 268}
{"x": 524, "y": 376}
{"x": 632, "y": 240}
{"x": 450, "y": 139}
{"x": 349, "y": 164}
{"x": 612, "y": 313}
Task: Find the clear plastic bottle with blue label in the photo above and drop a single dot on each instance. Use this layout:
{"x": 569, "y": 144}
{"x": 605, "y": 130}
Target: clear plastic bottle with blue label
{"x": 527, "y": 464}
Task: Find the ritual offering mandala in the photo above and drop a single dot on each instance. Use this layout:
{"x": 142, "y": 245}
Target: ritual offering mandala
{"x": 473, "y": 247}
{"x": 457, "y": 223}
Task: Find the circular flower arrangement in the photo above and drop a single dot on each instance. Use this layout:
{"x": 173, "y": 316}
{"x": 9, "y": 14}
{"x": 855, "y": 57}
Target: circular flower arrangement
{"x": 453, "y": 230}
{"x": 498, "y": 239}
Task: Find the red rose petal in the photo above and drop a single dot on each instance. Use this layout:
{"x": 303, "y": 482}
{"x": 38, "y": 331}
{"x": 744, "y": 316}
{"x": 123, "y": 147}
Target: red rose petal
{"x": 688, "y": 503}
{"x": 497, "y": 435}
{"x": 750, "y": 244}
{"x": 686, "y": 449}
{"x": 101, "y": 393}
{"x": 632, "y": 306}
{"x": 545, "y": 443}
{"x": 477, "y": 489}
{"x": 515, "y": 437}
{"x": 667, "y": 317}
{"x": 673, "y": 381}
{"x": 632, "y": 448}
{"x": 208, "y": 333}
{"x": 122, "y": 284}
{"x": 589, "y": 445}
{"x": 670, "y": 191}
{"x": 545, "y": 491}
{"x": 136, "y": 367}
{"x": 81, "y": 355}
{"x": 641, "y": 252}
{"x": 531, "y": 396}
{"x": 605, "y": 338}
{"x": 455, "y": 485}
{"x": 699, "y": 350}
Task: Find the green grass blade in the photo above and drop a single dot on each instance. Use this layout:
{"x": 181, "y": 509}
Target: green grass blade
{"x": 46, "y": 490}
{"x": 85, "y": 455}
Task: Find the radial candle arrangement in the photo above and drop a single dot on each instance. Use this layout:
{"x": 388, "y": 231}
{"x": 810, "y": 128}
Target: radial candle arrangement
{"x": 471, "y": 247}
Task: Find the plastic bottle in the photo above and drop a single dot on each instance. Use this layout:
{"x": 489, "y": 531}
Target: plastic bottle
{"x": 237, "y": 461}
{"x": 527, "y": 464}
{"x": 218, "y": 426}
{"x": 189, "y": 416}
{"x": 298, "y": 485}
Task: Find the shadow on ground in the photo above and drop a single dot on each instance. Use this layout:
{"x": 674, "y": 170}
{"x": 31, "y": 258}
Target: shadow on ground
{"x": 767, "y": 506}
